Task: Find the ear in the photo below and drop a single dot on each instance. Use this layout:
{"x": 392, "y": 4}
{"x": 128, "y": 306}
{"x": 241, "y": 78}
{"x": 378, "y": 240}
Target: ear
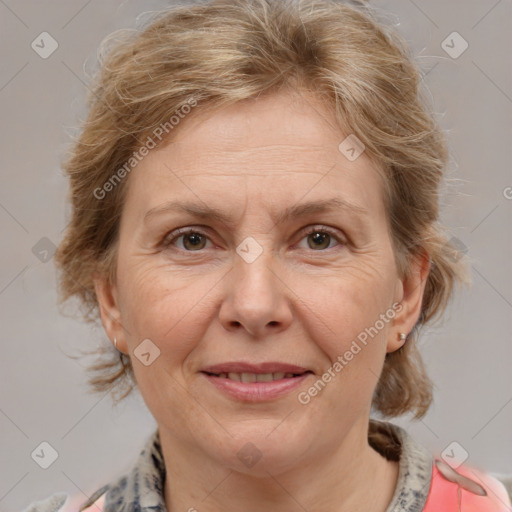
{"x": 410, "y": 296}
{"x": 109, "y": 311}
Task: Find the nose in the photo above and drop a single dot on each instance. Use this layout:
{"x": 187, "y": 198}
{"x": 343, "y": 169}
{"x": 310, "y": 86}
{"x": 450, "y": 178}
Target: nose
{"x": 256, "y": 298}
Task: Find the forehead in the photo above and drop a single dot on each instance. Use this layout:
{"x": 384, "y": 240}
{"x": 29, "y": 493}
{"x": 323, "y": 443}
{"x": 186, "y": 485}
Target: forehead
{"x": 280, "y": 147}
{"x": 298, "y": 119}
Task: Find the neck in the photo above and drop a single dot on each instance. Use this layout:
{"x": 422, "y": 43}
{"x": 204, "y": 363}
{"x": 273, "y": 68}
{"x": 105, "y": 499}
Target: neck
{"x": 351, "y": 477}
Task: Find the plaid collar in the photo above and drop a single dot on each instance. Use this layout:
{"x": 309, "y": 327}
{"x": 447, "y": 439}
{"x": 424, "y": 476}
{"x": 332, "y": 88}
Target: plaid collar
{"x": 141, "y": 490}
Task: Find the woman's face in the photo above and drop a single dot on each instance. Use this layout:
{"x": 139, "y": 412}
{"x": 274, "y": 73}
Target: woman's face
{"x": 250, "y": 289}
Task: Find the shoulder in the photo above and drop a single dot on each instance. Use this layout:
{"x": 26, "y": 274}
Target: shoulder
{"x": 467, "y": 489}
{"x": 63, "y": 502}
{"x": 54, "y": 503}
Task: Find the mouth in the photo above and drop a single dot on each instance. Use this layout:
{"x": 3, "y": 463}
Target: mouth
{"x": 255, "y": 382}
{"x": 256, "y": 377}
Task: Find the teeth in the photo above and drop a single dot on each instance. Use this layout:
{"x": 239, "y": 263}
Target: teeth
{"x": 248, "y": 377}
{"x": 256, "y": 377}
{"x": 264, "y": 377}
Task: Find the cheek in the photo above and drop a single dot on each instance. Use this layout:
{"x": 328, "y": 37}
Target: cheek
{"x": 346, "y": 301}
{"x": 160, "y": 308}
{"x": 350, "y": 321}
{"x": 168, "y": 308}
{"x": 354, "y": 344}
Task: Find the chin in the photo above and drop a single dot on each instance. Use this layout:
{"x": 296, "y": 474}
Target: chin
{"x": 261, "y": 448}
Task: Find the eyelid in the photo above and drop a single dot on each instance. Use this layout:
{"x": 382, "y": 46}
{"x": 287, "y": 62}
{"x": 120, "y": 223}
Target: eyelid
{"x": 334, "y": 232}
{"x": 172, "y": 236}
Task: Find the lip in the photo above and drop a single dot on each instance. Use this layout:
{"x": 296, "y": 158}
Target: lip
{"x": 256, "y": 391}
{"x": 243, "y": 367}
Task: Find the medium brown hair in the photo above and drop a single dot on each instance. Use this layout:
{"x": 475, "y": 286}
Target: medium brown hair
{"x": 217, "y": 53}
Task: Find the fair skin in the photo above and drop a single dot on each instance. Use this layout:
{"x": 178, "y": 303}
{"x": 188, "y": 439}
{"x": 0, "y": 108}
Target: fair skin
{"x": 302, "y": 301}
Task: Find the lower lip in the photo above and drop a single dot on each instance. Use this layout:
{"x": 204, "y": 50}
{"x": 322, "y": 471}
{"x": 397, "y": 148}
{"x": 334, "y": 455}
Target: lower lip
{"x": 256, "y": 391}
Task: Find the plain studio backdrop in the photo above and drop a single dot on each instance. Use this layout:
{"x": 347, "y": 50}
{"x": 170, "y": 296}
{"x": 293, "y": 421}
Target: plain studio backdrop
{"x": 463, "y": 48}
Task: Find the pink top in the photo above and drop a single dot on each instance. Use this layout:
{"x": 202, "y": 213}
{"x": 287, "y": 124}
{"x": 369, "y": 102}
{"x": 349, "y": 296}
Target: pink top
{"x": 465, "y": 489}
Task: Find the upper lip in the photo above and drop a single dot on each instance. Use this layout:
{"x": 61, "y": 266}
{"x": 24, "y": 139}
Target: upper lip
{"x": 242, "y": 367}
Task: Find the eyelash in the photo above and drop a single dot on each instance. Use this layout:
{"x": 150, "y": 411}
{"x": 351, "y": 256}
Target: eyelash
{"x": 167, "y": 241}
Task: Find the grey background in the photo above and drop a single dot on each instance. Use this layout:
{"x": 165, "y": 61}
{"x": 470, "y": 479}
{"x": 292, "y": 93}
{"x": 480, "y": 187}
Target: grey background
{"x": 43, "y": 394}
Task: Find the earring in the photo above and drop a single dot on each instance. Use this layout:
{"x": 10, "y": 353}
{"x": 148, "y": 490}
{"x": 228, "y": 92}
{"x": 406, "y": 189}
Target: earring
{"x": 115, "y": 342}
{"x": 402, "y": 336}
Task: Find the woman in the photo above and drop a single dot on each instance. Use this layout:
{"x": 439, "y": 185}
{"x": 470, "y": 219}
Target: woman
{"x": 255, "y": 220}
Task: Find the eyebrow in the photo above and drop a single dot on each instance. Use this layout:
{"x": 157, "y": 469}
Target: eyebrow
{"x": 292, "y": 212}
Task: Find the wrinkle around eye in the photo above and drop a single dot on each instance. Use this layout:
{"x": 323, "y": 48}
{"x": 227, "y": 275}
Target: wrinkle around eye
{"x": 337, "y": 240}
